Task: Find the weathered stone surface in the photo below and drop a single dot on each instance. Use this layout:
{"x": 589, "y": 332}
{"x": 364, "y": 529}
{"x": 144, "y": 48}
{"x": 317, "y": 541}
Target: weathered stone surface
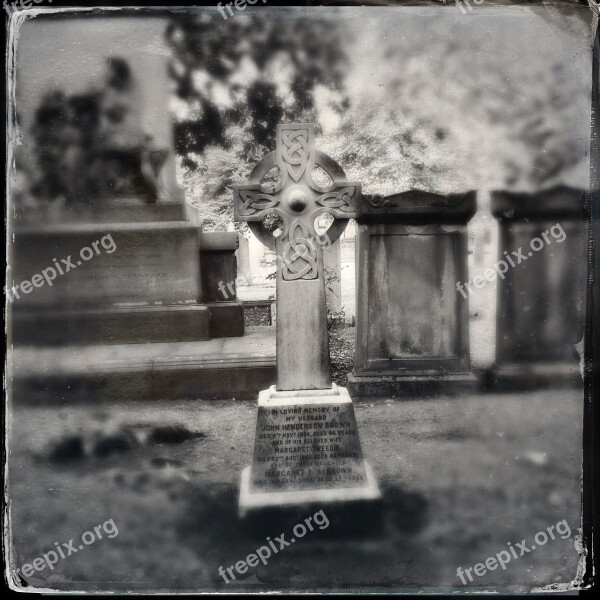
{"x": 147, "y": 263}
{"x": 218, "y": 282}
{"x": 115, "y": 325}
{"x": 302, "y": 343}
{"x": 307, "y": 450}
{"x": 413, "y": 307}
{"x": 125, "y": 210}
{"x": 542, "y": 300}
{"x": 417, "y": 207}
{"x": 411, "y": 324}
{"x": 218, "y": 368}
{"x": 226, "y": 319}
{"x": 309, "y": 445}
{"x": 219, "y": 265}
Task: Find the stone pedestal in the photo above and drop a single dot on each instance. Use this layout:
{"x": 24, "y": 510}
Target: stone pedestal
{"x": 412, "y": 326}
{"x": 130, "y": 321}
{"x": 307, "y": 450}
{"x": 154, "y": 281}
{"x": 542, "y": 299}
{"x": 121, "y": 283}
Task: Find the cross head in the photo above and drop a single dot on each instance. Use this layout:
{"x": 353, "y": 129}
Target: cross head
{"x": 302, "y": 343}
{"x": 297, "y": 199}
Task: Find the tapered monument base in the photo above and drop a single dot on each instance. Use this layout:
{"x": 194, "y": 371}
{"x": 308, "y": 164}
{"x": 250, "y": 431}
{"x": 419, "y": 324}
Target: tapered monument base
{"x": 307, "y": 450}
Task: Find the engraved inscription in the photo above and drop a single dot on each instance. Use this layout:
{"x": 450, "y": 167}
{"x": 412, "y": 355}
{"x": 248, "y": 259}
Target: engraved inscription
{"x": 307, "y": 447}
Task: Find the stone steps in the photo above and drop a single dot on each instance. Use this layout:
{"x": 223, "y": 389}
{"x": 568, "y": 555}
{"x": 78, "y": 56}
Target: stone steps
{"x": 218, "y": 368}
{"x": 127, "y": 324}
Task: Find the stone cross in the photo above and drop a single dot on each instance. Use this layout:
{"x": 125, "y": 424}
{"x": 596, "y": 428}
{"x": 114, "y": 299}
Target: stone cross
{"x": 302, "y": 339}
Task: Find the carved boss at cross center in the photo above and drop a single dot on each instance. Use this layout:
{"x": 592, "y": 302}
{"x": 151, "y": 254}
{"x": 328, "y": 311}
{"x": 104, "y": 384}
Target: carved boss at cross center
{"x": 297, "y": 200}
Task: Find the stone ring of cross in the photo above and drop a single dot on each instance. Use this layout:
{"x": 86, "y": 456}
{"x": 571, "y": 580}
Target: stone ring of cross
{"x": 298, "y": 200}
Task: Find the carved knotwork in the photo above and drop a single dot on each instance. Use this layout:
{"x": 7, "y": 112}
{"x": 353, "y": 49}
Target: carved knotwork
{"x": 295, "y": 151}
{"x": 377, "y": 201}
{"x": 255, "y": 203}
{"x": 342, "y": 202}
{"x": 300, "y": 260}
{"x": 298, "y": 200}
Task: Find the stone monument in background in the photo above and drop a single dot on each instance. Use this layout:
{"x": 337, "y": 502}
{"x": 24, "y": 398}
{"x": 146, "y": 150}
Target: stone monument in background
{"x": 307, "y": 447}
{"x": 541, "y": 301}
{"x": 97, "y": 162}
{"x": 412, "y": 327}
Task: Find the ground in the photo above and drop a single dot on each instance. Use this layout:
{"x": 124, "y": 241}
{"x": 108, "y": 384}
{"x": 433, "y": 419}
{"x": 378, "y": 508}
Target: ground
{"x": 460, "y": 478}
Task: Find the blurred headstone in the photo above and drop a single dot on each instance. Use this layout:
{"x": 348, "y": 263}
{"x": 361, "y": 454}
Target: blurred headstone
{"x": 243, "y": 260}
{"x": 219, "y": 270}
{"x": 412, "y": 326}
{"x": 542, "y": 298}
{"x": 98, "y": 268}
{"x": 132, "y": 268}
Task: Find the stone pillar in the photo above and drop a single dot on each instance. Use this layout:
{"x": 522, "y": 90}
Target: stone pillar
{"x": 541, "y": 299}
{"x": 412, "y": 325}
{"x": 243, "y": 260}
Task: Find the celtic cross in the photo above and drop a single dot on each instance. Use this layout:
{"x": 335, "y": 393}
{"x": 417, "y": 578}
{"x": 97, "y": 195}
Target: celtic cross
{"x": 302, "y": 343}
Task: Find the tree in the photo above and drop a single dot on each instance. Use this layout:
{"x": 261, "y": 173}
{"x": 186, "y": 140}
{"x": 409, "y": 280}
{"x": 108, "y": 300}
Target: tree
{"x": 466, "y": 103}
{"x": 238, "y": 78}
{"x": 235, "y": 80}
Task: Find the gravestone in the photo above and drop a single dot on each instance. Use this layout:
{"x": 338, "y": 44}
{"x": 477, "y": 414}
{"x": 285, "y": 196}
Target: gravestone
{"x": 307, "y": 447}
{"x": 219, "y": 269}
{"x": 412, "y": 327}
{"x": 112, "y": 73}
{"x": 151, "y": 286}
{"x": 540, "y": 314}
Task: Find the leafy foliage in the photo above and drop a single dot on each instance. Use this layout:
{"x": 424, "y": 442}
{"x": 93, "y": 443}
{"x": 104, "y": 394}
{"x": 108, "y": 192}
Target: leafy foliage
{"x": 453, "y": 107}
{"x": 236, "y": 79}
{"x": 449, "y": 107}
{"x": 240, "y": 77}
